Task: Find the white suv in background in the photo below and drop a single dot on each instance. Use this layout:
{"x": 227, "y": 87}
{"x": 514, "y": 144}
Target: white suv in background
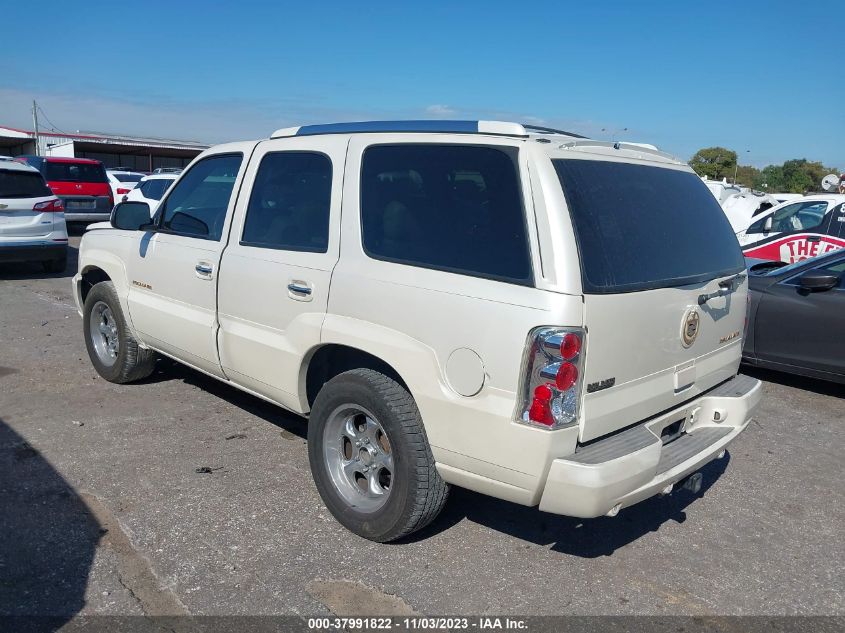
{"x": 150, "y": 189}
{"x": 475, "y": 303}
{"x": 32, "y": 219}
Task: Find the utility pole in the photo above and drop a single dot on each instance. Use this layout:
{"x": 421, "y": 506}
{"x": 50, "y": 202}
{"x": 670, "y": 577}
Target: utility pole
{"x": 736, "y": 167}
{"x": 35, "y": 125}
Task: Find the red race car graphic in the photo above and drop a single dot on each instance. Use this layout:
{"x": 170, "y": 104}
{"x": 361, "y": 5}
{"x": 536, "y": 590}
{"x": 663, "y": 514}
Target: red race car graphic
{"x": 794, "y": 248}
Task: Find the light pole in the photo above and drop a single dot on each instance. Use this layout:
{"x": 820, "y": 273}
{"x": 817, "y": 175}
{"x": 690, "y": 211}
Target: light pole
{"x": 736, "y": 167}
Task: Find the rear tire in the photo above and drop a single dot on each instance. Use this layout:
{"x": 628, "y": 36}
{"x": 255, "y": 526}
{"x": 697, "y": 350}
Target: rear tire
{"x": 55, "y": 265}
{"x": 115, "y": 354}
{"x": 404, "y": 492}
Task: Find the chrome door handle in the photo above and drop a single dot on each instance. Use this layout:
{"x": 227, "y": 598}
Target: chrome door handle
{"x": 302, "y": 290}
{"x": 204, "y": 270}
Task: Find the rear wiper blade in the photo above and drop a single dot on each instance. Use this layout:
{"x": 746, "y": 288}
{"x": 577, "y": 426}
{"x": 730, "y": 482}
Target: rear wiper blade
{"x": 725, "y": 286}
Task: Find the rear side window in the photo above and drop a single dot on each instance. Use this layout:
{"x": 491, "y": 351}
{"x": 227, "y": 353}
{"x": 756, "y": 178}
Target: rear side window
{"x": 197, "y": 206}
{"x": 154, "y": 189}
{"x": 456, "y": 208}
{"x": 22, "y": 184}
{"x": 290, "y": 201}
{"x": 640, "y": 227}
{"x": 74, "y": 172}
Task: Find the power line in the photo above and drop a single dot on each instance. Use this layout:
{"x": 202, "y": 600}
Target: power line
{"x": 46, "y": 118}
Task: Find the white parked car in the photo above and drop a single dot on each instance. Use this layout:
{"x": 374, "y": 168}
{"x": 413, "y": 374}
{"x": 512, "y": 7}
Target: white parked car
{"x": 797, "y": 229}
{"x": 122, "y": 182}
{"x": 151, "y": 189}
{"x": 32, "y": 219}
{"x": 448, "y": 303}
{"x": 742, "y": 208}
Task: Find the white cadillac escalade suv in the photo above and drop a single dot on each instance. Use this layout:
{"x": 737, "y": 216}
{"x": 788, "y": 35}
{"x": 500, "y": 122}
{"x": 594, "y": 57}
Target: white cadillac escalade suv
{"x": 544, "y": 318}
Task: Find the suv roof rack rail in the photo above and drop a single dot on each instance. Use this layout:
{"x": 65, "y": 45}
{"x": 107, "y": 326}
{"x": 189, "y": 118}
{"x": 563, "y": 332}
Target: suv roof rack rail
{"x": 551, "y": 130}
{"x": 499, "y": 128}
{"x": 645, "y": 148}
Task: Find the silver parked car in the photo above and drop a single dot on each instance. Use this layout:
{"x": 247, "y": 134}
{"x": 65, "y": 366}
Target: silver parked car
{"x": 32, "y": 219}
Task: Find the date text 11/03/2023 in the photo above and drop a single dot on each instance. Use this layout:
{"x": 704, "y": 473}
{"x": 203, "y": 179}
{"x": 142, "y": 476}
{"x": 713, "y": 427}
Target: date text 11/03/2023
{"x": 483, "y": 623}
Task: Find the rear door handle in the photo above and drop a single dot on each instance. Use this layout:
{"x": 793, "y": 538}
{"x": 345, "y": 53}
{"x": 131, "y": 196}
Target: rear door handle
{"x": 814, "y": 238}
{"x": 300, "y": 290}
{"x": 204, "y": 270}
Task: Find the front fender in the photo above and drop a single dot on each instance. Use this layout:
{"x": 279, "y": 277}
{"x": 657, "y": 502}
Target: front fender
{"x": 101, "y": 250}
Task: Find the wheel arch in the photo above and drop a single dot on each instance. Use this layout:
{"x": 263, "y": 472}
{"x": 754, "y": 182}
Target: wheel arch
{"x": 326, "y": 361}
{"x": 90, "y": 276}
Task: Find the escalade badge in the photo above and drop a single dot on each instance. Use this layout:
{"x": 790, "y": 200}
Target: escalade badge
{"x": 690, "y": 326}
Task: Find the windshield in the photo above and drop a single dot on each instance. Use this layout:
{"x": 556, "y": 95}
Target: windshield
{"x": 22, "y": 184}
{"x": 640, "y": 227}
{"x": 74, "y": 172}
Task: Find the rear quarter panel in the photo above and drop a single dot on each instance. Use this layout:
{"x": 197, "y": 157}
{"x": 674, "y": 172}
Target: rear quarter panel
{"x": 415, "y": 319}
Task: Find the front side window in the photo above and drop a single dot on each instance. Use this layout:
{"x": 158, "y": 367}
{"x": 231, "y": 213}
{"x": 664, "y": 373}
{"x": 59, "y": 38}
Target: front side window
{"x": 456, "y": 208}
{"x": 290, "y": 201}
{"x": 836, "y": 268}
{"x": 197, "y": 205}
{"x": 801, "y": 216}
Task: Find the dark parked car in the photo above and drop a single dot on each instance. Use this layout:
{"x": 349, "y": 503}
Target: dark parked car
{"x": 796, "y": 320}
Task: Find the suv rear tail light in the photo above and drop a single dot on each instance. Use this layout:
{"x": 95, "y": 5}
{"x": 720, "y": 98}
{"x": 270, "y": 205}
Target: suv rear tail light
{"x": 551, "y": 382}
{"x": 50, "y": 206}
{"x": 122, "y": 191}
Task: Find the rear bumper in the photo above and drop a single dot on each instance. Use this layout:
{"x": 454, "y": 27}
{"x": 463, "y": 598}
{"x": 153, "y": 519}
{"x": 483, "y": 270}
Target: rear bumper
{"x": 634, "y": 465}
{"x": 98, "y": 208}
{"x": 87, "y": 216}
{"x": 35, "y": 251}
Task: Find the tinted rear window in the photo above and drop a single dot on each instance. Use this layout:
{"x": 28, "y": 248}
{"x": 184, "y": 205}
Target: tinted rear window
{"x": 128, "y": 177}
{"x": 74, "y": 172}
{"x": 641, "y": 227}
{"x": 22, "y": 184}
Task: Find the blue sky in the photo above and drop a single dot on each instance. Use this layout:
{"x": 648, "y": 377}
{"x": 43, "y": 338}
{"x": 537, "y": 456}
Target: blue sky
{"x": 750, "y": 75}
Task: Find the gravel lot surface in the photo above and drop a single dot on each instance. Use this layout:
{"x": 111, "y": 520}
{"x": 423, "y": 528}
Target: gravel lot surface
{"x": 102, "y": 510}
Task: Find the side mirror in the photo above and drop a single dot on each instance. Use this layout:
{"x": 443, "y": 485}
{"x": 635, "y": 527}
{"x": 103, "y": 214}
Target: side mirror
{"x": 767, "y": 225}
{"x": 130, "y": 216}
{"x": 815, "y": 280}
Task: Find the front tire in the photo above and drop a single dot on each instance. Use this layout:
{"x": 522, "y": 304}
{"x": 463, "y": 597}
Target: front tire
{"x": 115, "y": 354}
{"x": 370, "y": 457}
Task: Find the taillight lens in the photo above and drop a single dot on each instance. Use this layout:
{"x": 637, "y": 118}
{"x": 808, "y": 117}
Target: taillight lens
{"x": 570, "y": 345}
{"x": 122, "y": 191}
{"x": 50, "y": 206}
{"x": 551, "y": 384}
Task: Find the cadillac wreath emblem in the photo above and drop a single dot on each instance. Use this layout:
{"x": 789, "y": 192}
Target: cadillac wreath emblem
{"x": 689, "y": 326}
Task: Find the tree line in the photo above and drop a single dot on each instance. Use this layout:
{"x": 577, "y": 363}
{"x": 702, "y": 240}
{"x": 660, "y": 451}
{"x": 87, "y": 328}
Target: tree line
{"x": 798, "y": 175}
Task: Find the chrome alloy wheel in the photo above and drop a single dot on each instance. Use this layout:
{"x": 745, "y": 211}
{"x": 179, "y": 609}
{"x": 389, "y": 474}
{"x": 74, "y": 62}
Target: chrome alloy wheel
{"x": 359, "y": 458}
{"x": 103, "y": 330}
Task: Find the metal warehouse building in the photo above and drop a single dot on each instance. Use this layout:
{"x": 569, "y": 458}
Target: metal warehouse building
{"x": 136, "y": 153}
